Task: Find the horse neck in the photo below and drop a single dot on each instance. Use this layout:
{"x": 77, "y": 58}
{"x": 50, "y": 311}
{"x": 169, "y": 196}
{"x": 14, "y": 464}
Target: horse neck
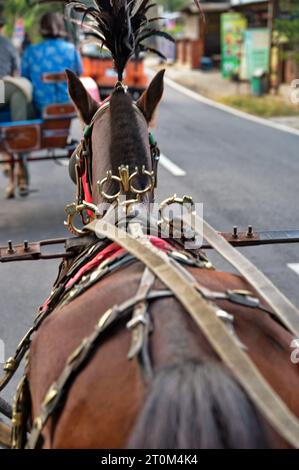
{"x": 120, "y": 137}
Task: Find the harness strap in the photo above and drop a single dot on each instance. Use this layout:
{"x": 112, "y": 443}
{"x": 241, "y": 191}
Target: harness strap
{"x": 284, "y": 309}
{"x": 204, "y": 314}
{"x": 140, "y": 325}
{"x": 57, "y": 392}
{"x": 21, "y": 411}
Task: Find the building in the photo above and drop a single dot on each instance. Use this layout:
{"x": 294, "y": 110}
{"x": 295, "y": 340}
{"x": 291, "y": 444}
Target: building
{"x": 202, "y": 36}
{"x": 255, "y": 11}
{"x": 202, "y": 32}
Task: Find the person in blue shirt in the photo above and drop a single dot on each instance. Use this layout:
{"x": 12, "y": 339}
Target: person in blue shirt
{"x": 53, "y": 55}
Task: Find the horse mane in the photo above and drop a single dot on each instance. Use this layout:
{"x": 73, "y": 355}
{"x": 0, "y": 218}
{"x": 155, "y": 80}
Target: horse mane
{"x": 197, "y": 405}
{"x": 127, "y": 144}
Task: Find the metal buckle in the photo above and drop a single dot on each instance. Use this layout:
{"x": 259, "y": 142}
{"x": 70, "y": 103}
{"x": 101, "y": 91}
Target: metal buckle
{"x": 243, "y": 297}
{"x": 183, "y": 201}
{"x": 74, "y": 209}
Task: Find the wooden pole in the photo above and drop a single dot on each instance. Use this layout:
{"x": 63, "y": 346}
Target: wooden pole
{"x": 272, "y": 13}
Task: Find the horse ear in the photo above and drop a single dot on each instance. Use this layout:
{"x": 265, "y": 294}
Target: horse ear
{"x": 85, "y": 104}
{"x": 149, "y": 100}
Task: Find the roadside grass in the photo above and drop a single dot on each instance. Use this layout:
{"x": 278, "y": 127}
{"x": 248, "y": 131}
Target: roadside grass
{"x": 267, "y": 106}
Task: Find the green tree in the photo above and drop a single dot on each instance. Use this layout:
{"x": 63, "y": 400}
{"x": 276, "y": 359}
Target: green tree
{"x": 30, "y": 10}
{"x": 287, "y": 26}
{"x": 173, "y": 5}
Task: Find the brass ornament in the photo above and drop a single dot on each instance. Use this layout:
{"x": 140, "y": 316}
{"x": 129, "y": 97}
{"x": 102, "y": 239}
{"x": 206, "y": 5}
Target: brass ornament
{"x": 185, "y": 201}
{"x": 126, "y": 182}
{"x": 76, "y": 209}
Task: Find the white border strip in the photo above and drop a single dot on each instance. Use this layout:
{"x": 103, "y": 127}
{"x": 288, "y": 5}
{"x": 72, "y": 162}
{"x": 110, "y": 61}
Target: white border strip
{"x": 228, "y": 109}
{"x": 171, "y": 167}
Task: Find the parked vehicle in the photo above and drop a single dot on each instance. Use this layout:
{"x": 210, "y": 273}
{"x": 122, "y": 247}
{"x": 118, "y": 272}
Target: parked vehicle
{"x": 98, "y": 64}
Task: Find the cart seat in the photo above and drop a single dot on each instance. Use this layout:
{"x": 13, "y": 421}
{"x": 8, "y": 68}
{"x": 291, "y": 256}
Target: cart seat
{"x": 52, "y": 131}
{"x": 20, "y": 136}
{"x": 54, "y": 77}
{"x": 57, "y": 120}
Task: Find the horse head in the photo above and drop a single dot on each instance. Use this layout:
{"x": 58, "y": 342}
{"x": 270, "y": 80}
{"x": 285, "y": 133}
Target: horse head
{"x": 116, "y": 136}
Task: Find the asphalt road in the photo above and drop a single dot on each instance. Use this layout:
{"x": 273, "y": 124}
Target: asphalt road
{"x": 243, "y": 172}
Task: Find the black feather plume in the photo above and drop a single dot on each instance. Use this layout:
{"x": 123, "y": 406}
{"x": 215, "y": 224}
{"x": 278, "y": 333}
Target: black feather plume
{"x": 120, "y": 25}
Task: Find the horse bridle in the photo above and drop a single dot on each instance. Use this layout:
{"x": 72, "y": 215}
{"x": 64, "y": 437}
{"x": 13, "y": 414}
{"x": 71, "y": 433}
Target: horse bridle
{"x": 80, "y": 166}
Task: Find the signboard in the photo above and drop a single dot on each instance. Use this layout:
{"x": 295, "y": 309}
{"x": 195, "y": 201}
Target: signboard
{"x": 233, "y": 26}
{"x": 257, "y": 50}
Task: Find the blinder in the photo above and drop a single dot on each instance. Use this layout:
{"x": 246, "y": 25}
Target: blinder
{"x": 72, "y": 163}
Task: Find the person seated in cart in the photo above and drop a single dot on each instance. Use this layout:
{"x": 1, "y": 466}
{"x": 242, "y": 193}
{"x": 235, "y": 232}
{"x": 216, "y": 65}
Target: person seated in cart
{"x": 14, "y": 106}
{"x": 17, "y": 91}
{"x": 53, "y": 55}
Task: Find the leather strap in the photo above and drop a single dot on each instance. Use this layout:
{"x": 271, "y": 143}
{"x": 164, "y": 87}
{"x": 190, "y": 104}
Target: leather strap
{"x": 140, "y": 325}
{"x": 204, "y": 314}
{"x": 58, "y": 390}
{"x": 284, "y": 309}
{"x": 5, "y": 408}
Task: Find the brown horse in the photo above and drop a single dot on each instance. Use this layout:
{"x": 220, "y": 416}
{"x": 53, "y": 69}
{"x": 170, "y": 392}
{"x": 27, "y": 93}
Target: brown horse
{"x": 192, "y": 400}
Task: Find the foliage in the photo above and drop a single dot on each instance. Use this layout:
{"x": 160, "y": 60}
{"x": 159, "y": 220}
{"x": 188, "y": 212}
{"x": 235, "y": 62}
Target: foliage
{"x": 265, "y": 106}
{"x": 288, "y": 26}
{"x": 30, "y": 11}
{"x": 172, "y": 5}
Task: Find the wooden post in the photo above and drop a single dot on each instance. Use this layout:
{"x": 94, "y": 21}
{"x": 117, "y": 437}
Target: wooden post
{"x": 202, "y": 33}
{"x": 272, "y": 13}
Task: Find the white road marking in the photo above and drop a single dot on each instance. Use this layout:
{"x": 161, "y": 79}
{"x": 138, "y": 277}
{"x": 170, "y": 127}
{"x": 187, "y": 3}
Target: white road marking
{"x": 294, "y": 267}
{"x": 171, "y": 167}
{"x": 228, "y": 109}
